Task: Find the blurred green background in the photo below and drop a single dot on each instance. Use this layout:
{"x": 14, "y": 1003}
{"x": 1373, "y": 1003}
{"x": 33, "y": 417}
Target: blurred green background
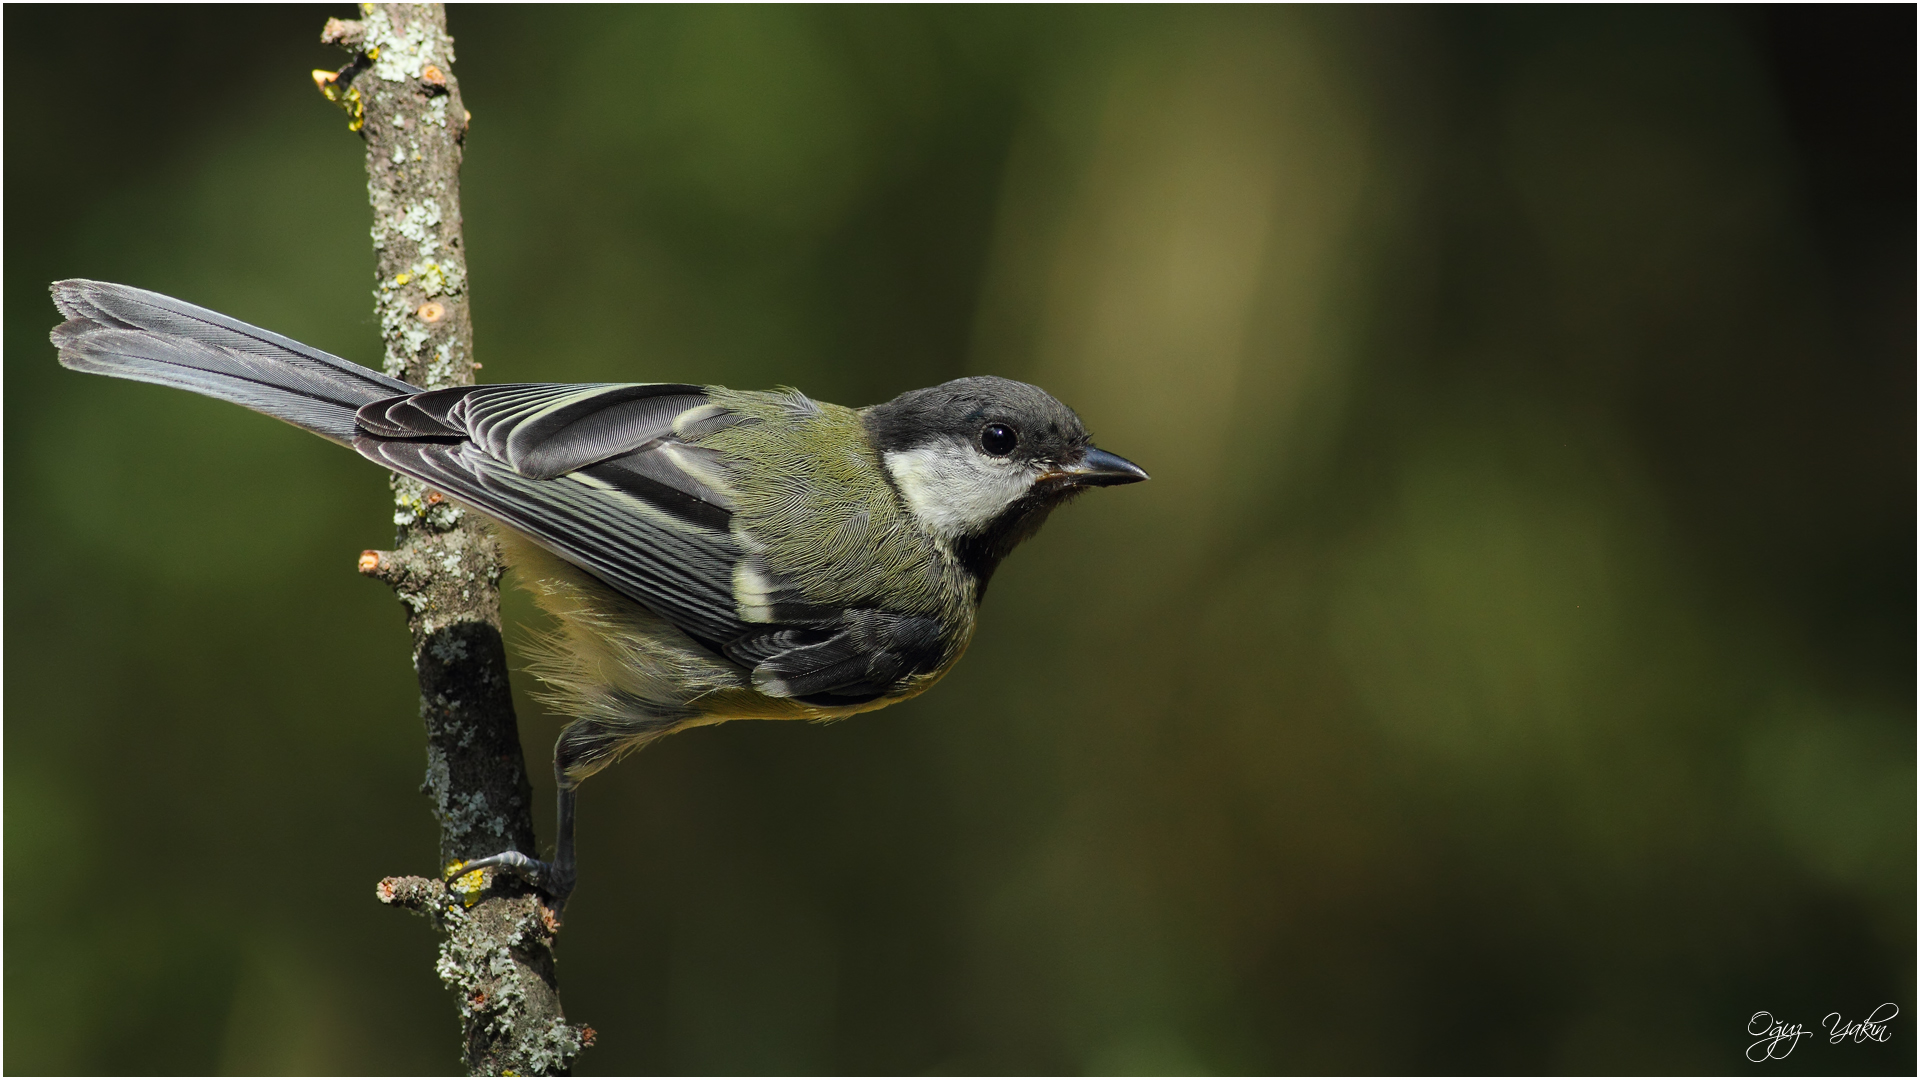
{"x": 1509, "y": 668}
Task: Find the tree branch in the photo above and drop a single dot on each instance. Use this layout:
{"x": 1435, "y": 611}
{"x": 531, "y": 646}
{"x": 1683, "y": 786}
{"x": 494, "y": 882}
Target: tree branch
{"x": 497, "y": 953}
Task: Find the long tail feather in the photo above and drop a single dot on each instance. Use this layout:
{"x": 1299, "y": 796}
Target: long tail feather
{"x": 134, "y": 334}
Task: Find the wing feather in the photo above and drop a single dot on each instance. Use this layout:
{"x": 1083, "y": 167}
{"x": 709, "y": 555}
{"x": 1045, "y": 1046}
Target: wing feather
{"x": 859, "y": 656}
{"x": 683, "y": 574}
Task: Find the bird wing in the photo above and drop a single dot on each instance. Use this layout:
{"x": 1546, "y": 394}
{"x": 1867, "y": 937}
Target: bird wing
{"x": 599, "y": 476}
{"x": 543, "y": 430}
{"x": 679, "y": 570}
{"x": 861, "y": 655}
{"x": 589, "y": 472}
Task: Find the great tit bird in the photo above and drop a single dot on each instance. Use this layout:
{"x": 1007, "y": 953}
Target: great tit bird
{"x": 708, "y": 554}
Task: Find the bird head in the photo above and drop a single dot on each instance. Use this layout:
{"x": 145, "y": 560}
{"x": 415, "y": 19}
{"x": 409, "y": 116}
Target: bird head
{"x": 981, "y": 461}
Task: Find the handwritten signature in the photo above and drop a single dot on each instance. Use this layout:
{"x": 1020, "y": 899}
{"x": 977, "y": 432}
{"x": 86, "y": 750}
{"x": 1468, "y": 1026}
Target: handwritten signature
{"x": 1874, "y": 1027}
{"x": 1772, "y": 1033}
{"x": 1777, "y": 1037}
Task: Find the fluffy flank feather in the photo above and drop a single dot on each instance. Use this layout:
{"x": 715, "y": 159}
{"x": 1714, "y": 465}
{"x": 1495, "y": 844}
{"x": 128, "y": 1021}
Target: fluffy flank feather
{"x": 628, "y": 675}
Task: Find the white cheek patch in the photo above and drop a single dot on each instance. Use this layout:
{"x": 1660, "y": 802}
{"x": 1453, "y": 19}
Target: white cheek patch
{"x": 953, "y": 489}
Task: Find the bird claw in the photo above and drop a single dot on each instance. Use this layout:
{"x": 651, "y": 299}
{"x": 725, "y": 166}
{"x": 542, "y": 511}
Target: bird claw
{"x": 545, "y": 876}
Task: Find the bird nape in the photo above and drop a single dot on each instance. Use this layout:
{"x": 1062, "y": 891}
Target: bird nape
{"x": 708, "y": 554}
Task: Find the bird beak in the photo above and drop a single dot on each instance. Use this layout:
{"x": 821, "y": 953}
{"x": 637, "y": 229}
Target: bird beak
{"x": 1099, "y": 469}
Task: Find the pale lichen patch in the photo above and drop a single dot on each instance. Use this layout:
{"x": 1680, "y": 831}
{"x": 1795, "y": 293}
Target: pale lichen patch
{"x": 400, "y": 56}
{"x": 448, "y": 649}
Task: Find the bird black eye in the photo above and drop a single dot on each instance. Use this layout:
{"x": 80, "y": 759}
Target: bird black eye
{"x": 998, "y": 440}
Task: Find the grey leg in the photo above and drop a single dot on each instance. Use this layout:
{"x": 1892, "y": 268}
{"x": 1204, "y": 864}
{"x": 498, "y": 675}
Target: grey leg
{"x": 564, "y": 871}
{"x": 555, "y": 878}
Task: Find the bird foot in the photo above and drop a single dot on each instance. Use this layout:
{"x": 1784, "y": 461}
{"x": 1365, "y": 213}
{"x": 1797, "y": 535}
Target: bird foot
{"x": 549, "y": 877}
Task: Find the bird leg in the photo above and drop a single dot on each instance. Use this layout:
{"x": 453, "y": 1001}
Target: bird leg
{"x": 555, "y": 878}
